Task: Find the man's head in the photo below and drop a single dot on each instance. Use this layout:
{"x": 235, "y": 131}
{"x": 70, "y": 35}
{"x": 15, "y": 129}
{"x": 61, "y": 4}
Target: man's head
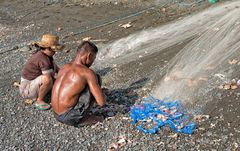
{"x": 87, "y": 51}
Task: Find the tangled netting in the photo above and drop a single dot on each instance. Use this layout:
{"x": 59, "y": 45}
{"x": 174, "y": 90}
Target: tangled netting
{"x": 152, "y": 114}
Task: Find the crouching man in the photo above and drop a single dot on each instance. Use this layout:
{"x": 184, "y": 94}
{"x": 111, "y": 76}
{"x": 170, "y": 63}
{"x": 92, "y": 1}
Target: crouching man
{"x": 39, "y": 70}
{"x": 76, "y": 88}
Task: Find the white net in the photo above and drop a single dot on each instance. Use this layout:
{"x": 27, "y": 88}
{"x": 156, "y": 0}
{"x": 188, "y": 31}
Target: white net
{"x": 192, "y": 72}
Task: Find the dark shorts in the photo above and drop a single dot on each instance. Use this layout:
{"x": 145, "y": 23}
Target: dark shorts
{"x": 74, "y": 115}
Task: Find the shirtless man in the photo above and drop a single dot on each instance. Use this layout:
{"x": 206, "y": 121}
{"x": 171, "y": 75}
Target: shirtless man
{"x": 76, "y": 88}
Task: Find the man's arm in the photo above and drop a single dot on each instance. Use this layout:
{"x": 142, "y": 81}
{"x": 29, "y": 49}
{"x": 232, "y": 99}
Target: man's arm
{"x": 95, "y": 88}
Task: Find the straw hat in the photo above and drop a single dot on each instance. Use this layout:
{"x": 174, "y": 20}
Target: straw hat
{"x": 50, "y": 41}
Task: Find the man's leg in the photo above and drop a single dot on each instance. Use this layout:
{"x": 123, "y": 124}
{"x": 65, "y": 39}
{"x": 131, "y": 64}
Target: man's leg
{"x": 45, "y": 87}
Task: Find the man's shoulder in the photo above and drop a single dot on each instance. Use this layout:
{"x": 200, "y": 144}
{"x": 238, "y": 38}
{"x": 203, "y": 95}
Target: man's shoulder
{"x": 83, "y": 70}
{"x": 70, "y": 67}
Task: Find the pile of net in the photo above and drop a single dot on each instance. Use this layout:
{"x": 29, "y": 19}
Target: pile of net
{"x": 152, "y": 114}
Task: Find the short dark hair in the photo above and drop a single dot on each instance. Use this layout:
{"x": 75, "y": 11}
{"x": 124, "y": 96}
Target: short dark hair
{"x": 87, "y": 45}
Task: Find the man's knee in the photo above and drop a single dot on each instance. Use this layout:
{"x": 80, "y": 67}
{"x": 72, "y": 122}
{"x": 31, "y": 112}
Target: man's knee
{"x": 47, "y": 80}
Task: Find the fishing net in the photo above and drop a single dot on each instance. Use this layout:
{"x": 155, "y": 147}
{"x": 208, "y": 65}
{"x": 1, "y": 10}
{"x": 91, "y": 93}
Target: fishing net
{"x": 201, "y": 65}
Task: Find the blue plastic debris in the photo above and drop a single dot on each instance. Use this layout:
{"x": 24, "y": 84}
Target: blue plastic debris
{"x": 153, "y": 114}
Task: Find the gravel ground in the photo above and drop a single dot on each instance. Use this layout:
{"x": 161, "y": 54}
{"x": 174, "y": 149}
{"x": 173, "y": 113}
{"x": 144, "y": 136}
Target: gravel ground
{"x": 25, "y": 128}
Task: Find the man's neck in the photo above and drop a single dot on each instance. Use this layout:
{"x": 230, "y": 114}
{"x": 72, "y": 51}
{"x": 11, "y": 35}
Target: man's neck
{"x": 79, "y": 61}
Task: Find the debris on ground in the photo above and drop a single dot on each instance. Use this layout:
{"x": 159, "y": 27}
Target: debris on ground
{"x": 28, "y": 102}
{"x": 173, "y": 136}
{"x": 99, "y": 40}
{"x": 87, "y": 38}
{"x": 96, "y": 125}
{"x": 230, "y": 85}
{"x": 125, "y": 118}
{"x": 221, "y": 76}
{"x": 232, "y": 62}
{"x": 67, "y": 51}
{"x": 201, "y": 118}
{"x": 16, "y": 84}
{"x": 120, "y": 143}
{"x": 59, "y": 29}
{"x": 25, "y": 49}
{"x": 238, "y": 83}
{"x": 163, "y": 9}
{"x": 127, "y": 25}
{"x": 152, "y": 114}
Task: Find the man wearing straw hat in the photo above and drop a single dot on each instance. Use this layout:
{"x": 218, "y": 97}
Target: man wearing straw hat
{"x": 39, "y": 71}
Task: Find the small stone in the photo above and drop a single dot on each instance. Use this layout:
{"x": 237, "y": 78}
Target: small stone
{"x": 59, "y": 29}
{"x": 226, "y": 86}
{"x": 87, "y": 38}
{"x": 125, "y": 26}
{"x": 201, "y": 128}
{"x": 163, "y": 9}
{"x": 201, "y": 117}
{"x": 67, "y": 51}
{"x": 219, "y": 95}
{"x": 28, "y": 101}
{"x": 209, "y": 133}
{"x": 232, "y": 62}
{"x": 110, "y": 114}
{"x": 15, "y": 47}
{"x": 212, "y": 125}
{"x": 125, "y": 118}
{"x": 173, "y": 136}
{"x": 216, "y": 29}
{"x": 234, "y": 86}
{"x": 236, "y": 145}
{"x": 16, "y": 84}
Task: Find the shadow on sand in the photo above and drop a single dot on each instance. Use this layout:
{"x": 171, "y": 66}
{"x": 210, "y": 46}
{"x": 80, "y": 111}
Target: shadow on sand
{"x": 120, "y": 100}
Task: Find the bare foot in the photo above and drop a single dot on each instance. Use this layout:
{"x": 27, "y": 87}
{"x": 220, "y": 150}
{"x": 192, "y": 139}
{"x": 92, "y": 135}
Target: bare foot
{"x": 40, "y": 102}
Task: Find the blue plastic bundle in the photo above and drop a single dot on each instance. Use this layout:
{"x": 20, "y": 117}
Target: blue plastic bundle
{"x": 155, "y": 113}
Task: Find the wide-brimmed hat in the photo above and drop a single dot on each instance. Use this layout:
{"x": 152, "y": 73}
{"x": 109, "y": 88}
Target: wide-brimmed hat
{"x": 50, "y": 41}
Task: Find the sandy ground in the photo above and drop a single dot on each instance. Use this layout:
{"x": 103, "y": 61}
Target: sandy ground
{"x": 24, "y": 128}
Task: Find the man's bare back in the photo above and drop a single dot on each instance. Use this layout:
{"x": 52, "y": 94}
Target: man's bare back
{"x": 71, "y": 82}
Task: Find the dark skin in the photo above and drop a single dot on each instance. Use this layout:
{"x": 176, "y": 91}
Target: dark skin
{"x": 71, "y": 81}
